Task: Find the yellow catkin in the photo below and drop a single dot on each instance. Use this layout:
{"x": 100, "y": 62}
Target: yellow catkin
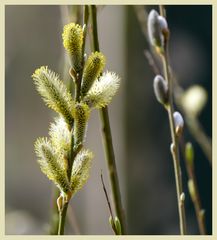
{"x": 73, "y": 41}
{"x": 102, "y": 90}
{"x": 81, "y": 115}
{"x": 54, "y": 92}
{"x": 92, "y": 70}
{"x": 49, "y": 162}
{"x": 80, "y": 170}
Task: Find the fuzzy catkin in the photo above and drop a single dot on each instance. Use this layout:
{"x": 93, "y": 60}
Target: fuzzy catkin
{"x": 73, "y": 41}
{"x": 60, "y": 136}
{"x": 54, "y": 93}
{"x": 92, "y": 69}
{"x": 49, "y": 162}
{"x": 80, "y": 169}
{"x": 103, "y": 90}
{"x": 81, "y": 115}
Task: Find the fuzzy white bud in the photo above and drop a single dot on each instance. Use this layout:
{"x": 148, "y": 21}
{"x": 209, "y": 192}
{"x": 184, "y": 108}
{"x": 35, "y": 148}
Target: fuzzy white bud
{"x": 179, "y": 123}
{"x": 182, "y": 197}
{"x": 161, "y": 89}
{"x": 157, "y": 26}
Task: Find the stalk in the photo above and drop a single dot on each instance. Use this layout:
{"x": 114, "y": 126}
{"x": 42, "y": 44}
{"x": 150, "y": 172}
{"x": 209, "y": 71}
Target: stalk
{"x": 62, "y": 218}
{"x": 174, "y": 145}
{"x": 54, "y": 212}
{"x": 106, "y": 132}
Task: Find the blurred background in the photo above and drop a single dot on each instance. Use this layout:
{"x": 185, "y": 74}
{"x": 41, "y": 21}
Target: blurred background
{"x": 139, "y": 124}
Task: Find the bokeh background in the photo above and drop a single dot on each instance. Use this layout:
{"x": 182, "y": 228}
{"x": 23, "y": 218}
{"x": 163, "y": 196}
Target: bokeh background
{"x": 139, "y": 124}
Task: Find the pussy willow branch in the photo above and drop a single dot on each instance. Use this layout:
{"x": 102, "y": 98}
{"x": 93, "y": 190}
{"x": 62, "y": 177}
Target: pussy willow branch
{"x": 201, "y": 136}
{"x": 193, "y": 124}
{"x": 175, "y": 144}
{"x": 106, "y": 132}
{"x": 74, "y": 150}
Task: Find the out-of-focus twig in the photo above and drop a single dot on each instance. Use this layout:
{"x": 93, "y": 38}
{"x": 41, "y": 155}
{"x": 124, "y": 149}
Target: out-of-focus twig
{"x": 195, "y": 127}
{"x": 151, "y": 62}
{"x": 142, "y": 16}
{"x": 193, "y": 188}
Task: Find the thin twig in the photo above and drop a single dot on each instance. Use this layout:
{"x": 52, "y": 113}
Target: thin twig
{"x": 174, "y": 145}
{"x": 106, "y": 131}
{"x": 107, "y": 198}
{"x": 197, "y": 203}
{"x": 151, "y": 62}
{"x": 175, "y": 151}
{"x": 198, "y": 133}
{"x": 109, "y": 206}
{"x": 194, "y": 193}
{"x": 162, "y": 10}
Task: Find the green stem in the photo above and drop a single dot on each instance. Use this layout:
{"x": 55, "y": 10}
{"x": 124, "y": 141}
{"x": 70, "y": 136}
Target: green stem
{"x": 54, "y": 214}
{"x": 106, "y": 132}
{"x": 62, "y": 219}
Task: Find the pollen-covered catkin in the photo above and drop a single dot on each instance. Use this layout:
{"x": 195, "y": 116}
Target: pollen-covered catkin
{"x": 73, "y": 42}
{"x": 54, "y": 92}
{"x": 92, "y": 69}
{"x": 103, "y": 90}
{"x": 81, "y": 115}
{"x": 50, "y": 164}
{"x": 80, "y": 169}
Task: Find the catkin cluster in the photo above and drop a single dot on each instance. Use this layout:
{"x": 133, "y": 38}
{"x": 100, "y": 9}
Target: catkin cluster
{"x": 62, "y": 157}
